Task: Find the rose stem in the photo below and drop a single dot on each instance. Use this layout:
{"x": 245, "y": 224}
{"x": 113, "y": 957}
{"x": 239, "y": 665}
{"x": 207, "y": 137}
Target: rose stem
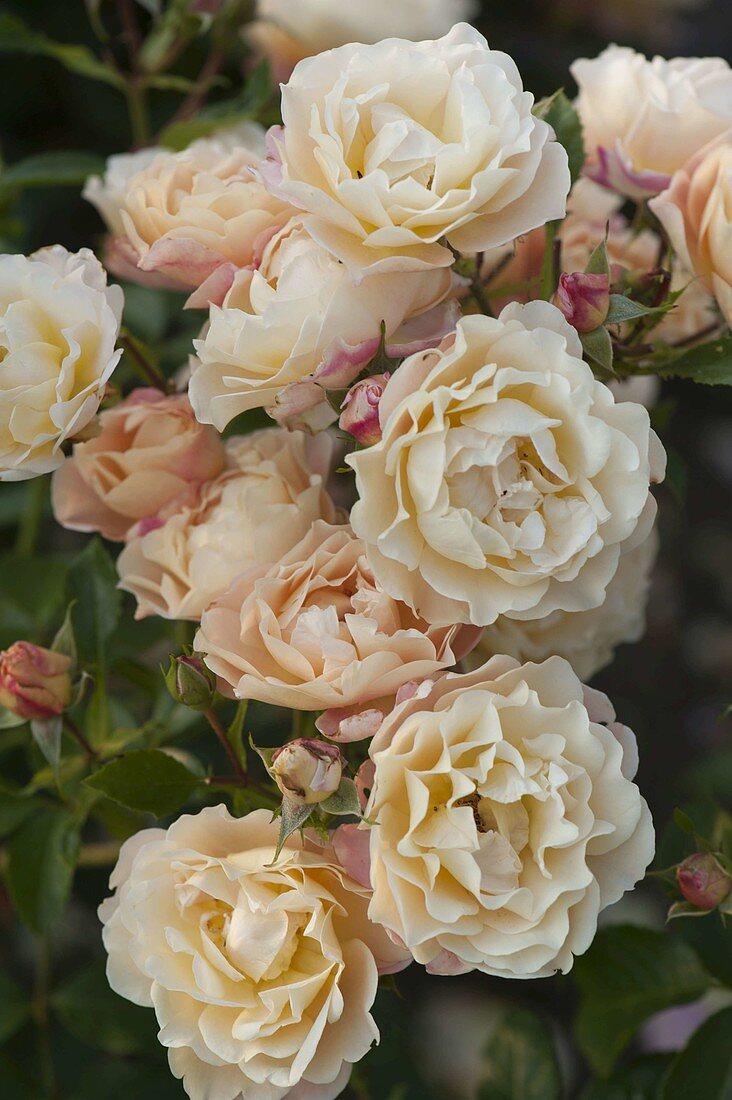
{"x": 220, "y": 732}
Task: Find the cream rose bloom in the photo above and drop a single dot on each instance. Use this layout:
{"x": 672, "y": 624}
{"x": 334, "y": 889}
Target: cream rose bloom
{"x": 587, "y": 639}
{"x": 59, "y": 323}
{"x": 286, "y": 31}
{"x": 315, "y": 631}
{"x": 507, "y": 479}
{"x": 262, "y": 976}
{"x": 505, "y": 819}
{"x": 696, "y": 212}
{"x": 191, "y": 216}
{"x": 392, "y": 147}
{"x": 252, "y": 514}
{"x": 149, "y": 450}
{"x": 643, "y": 119}
{"x": 300, "y": 315}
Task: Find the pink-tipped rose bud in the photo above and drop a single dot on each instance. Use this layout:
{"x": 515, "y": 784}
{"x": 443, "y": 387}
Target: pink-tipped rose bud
{"x": 35, "y": 683}
{"x": 584, "y": 299}
{"x": 360, "y": 409}
{"x": 307, "y": 771}
{"x": 702, "y": 881}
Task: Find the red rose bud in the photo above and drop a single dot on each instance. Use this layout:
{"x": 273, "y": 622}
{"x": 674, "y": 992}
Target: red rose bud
{"x": 191, "y": 683}
{"x": 584, "y": 299}
{"x": 702, "y": 881}
{"x": 307, "y": 771}
{"x": 360, "y": 410}
{"x": 35, "y": 683}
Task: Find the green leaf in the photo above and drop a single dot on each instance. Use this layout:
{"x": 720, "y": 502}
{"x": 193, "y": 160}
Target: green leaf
{"x": 624, "y": 309}
{"x": 598, "y": 347}
{"x": 292, "y": 817}
{"x": 562, "y": 116}
{"x": 14, "y": 1008}
{"x": 627, "y": 975}
{"x": 47, "y": 735}
{"x": 598, "y": 263}
{"x": 703, "y": 1071}
{"x": 17, "y": 37}
{"x": 235, "y": 733}
{"x": 89, "y": 1009}
{"x": 265, "y": 754}
{"x": 14, "y": 810}
{"x": 92, "y": 584}
{"x": 520, "y": 1061}
{"x": 40, "y": 869}
{"x": 344, "y": 801}
{"x": 247, "y": 105}
{"x": 64, "y": 641}
{"x": 683, "y": 822}
{"x": 148, "y": 780}
{"x": 51, "y": 169}
{"x": 638, "y": 1081}
{"x": 9, "y": 720}
{"x": 709, "y": 364}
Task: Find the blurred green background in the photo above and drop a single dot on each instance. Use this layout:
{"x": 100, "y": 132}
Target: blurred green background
{"x": 671, "y": 688}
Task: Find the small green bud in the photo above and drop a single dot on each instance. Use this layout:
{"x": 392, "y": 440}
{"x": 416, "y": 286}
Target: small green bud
{"x": 190, "y": 682}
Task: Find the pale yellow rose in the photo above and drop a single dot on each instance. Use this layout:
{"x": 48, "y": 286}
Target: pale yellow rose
{"x": 393, "y": 147}
{"x": 696, "y": 212}
{"x": 286, "y": 31}
{"x": 262, "y": 976}
{"x": 191, "y": 216}
{"x": 315, "y": 631}
{"x": 505, "y": 819}
{"x": 643, "y": 119}
{"x": 59, "y": 323}
{"x": 507, "y": 478}
{"x": 587, "y": 639}
{"x": 149, "y": 450}
{"x": 252, "y": 514}
{"x": 300, "y": 315}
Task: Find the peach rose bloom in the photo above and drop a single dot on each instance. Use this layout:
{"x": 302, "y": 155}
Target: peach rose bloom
{"x": 315, "y": 631}
{"x": 506, "y": 819}
{"x": 180, "y": 217}
{"x": 696, "y": 212}
{"x": 507, "y": 479}
{"x": 250, "y": 515}
{"x": 395, "y": 147}
{"x": 262, "y": 975}
{"x": 149, "y": 451}
{"x": 59, "y": 323}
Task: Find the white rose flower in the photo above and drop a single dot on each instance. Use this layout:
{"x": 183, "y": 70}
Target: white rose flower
{"x": 587, "y": 639}
{"x": 177, "y": 564}
{"x": 286, "y": 31}
{"x": 180, "y": 219}
{"x": 394, "y": 146}
{"x": 59, "y": 323}
{"x": 644, "y": 118}
{"x": 505, "y": 819}
{"x": 300, "y": 314}
{"x": 507, "y": 479}
{"x": 262, "y": 976}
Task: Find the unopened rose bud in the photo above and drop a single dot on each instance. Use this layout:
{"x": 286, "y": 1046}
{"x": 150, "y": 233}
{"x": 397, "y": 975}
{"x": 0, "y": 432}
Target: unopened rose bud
{"x": 584, "y": 299}
{"x": 35, "y": 683}
{"x": 702, "y": 881}
{"x": 360, "y": 410}
{"x": 307, "y": 771}
{"x": 302, "y": 406}
{"x": 190, "y": 682}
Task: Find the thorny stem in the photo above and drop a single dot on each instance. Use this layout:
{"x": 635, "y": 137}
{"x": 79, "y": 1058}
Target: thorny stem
{"x": 71, "y": 727}
{"x": 695, "y": 336}
{"x": 220, "y": 732}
